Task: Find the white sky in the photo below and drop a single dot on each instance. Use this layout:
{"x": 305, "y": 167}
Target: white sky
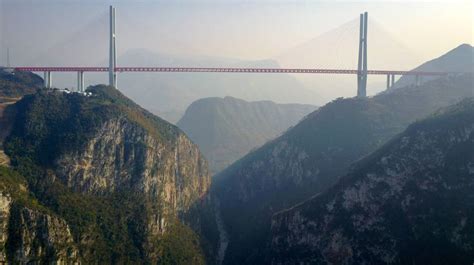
{"x": 240, "y": 29}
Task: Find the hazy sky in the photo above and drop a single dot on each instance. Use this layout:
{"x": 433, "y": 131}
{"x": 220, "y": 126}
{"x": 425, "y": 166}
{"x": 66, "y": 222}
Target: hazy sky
{"x": 241, "y": 29}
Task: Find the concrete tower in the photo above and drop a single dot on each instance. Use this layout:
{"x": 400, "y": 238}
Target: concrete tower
{"x": 362, "y": 63}
{"x": 113, "y": 50}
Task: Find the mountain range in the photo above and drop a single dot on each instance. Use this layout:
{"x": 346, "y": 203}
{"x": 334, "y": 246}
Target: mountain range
{"x": 227, "y": 128}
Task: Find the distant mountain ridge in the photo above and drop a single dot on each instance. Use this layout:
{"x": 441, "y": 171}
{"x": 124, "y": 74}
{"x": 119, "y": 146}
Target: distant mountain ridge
{"x": 459, "y": 59}
{"x": 227, "y": 128}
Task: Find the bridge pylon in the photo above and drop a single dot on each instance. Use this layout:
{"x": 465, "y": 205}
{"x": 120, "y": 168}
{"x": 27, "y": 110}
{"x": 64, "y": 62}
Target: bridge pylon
{"x": 362, "y": 62}
{"x": 112, "y": 50}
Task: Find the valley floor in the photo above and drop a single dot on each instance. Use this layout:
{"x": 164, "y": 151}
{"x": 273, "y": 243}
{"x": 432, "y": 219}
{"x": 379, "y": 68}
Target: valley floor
{"x": 223, "y": 236}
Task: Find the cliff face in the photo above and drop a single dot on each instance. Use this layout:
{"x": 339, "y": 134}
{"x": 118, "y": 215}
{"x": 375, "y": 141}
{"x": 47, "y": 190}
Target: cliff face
{"x": 129, "y": 185}
{"x": 410, "y": 202}
{"x": 310, "y": 157}
{"x": 5, "y": 202}
{"x": 124, "y": 156}
{"x": 30, "y": 233}
{"x": 37, "y": 236}
{"x": 227, "y": 128}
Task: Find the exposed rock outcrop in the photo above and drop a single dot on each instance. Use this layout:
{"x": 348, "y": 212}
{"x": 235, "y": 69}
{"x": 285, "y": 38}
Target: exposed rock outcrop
{"x": 123, "y": 156}
{"x": 5, "y": 202}
{"x": 38, "y": 237}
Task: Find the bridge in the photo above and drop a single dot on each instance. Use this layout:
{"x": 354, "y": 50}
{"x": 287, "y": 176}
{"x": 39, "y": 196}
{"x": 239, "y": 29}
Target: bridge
{"x": 362, "y": 71}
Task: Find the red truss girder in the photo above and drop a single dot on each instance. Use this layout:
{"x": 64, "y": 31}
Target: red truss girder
{"x": 226, "y": 70}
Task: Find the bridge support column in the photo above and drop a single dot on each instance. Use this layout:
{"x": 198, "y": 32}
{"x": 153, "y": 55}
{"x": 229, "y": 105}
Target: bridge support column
{"x": 45, "y": 79}
{"x": 392, "y": 81}
{"x": 80, "y": 81}
{"x": 388, "y": 81}
{"x": 48, "y": 81}
{"x": 362, "y": 63}
{"x": 417, "y": 80}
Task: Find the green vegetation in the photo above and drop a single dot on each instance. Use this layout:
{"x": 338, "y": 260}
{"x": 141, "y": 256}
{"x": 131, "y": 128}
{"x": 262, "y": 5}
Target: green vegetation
{"x": 154, "y": 125}
{"x": 15, "y": 186}
{"x": 18, "y": 84}
{"x": 178, "y": 246}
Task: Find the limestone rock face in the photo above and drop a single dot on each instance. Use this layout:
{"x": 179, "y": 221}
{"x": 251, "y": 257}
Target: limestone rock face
{"x": 410, "y": 202}
{"x": 32, "y": 236}
{"x": 123, "y": 156}
{"x": 5, "y": 202}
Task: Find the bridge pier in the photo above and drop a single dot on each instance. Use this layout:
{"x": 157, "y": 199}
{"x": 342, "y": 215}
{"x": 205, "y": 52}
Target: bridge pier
{"x": 80, "y": 81}
{"x": 417, "y": 80}
{"x": 48, "y": 81}
{"x": 390, "y": 80}
{"x": 45, "y": 79}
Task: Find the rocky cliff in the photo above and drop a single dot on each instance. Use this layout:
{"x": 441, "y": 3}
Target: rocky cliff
{"x": 29, "y": 232}
{"x": 225, "y": 129}
{"x": 410, "y": 202}
{"x": 312, "y": 155}
{"x": 131, "y": 187}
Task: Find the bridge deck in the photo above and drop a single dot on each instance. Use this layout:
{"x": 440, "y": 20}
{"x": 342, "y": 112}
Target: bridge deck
{"x": 226, "y": 70}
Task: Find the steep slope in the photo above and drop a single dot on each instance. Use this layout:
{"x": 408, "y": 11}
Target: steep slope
{"x": 227, "y": 128}
{"x": 28, "y": 230}
{"x": 459, "y": 59}
{"x": 309, "y": 158}
{"x": 131, "y": 187}
{"x": 13, "y": 86}
{"x": 410, "y": 202}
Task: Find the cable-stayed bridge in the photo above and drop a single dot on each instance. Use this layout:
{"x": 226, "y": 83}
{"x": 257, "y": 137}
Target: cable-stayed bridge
{"x": 362, "y": 70}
